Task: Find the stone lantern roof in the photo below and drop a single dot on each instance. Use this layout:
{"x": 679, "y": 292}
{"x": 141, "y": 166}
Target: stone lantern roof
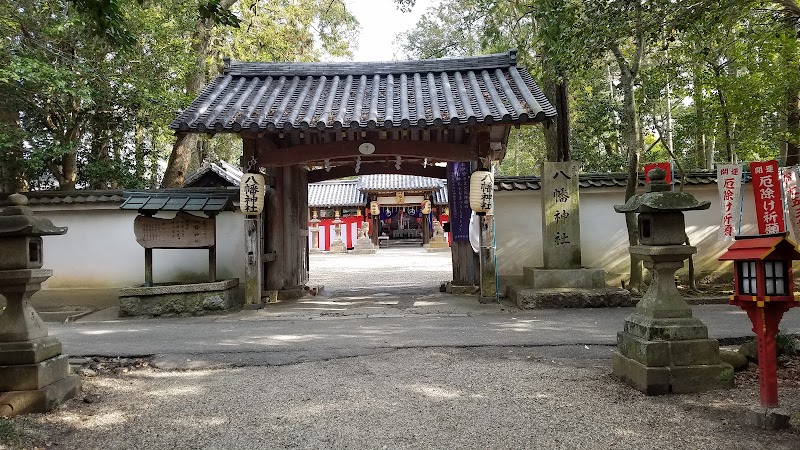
{"x": 659, "y": 199}
{"x": 18, "y": 220}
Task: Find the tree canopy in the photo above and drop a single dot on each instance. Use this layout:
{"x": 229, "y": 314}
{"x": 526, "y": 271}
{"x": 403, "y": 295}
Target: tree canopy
{"x": 89, "y": 86}
{"x": 727, "y": 70}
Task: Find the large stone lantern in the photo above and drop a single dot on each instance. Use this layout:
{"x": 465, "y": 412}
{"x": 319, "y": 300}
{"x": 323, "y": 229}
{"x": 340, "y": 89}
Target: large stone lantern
{"x": 34, "y": 375}
{"x": 663, "y": 349}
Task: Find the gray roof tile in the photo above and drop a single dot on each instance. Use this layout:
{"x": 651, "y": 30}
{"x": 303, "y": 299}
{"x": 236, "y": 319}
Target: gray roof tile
{"x": 591, "y": 180}
{"x": 335, "y": 193}
{"x": 435, "y": 92}
{"x": 391, "y": 182}
{"x": 352, "y": 192}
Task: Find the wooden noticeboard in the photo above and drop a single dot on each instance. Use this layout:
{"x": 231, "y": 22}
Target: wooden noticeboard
{"x": 184, "y": 231}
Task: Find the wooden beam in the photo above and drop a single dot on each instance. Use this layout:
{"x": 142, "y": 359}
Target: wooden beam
{"x": 315, "y": 176}
{"x": 303, "y": 154}
{"x": 252, "y": 268}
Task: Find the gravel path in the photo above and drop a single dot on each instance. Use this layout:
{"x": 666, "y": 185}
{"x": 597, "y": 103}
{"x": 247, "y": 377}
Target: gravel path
{"x": 389, "y": 270}
{"x": 415, "y": 398}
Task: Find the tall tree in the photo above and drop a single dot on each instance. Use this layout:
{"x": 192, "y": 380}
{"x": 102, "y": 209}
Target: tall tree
{"x": 286, "y": 30}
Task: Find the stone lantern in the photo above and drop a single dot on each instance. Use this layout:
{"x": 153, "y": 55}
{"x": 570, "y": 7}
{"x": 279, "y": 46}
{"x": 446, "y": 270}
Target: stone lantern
{"x": 34, "y": 375}
{"x": 663, "y": 349}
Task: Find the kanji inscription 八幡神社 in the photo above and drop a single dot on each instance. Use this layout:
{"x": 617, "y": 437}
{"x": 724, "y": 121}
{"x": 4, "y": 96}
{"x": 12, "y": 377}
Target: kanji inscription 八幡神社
{"x": 561, "y": 221}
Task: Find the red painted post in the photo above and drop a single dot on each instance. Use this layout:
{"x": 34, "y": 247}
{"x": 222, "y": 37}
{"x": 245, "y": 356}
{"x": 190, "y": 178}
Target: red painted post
{"x": 765, "y": 321}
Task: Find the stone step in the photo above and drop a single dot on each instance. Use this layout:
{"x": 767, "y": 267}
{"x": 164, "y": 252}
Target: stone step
{"x": 532, "y": 298}
{"x": 564, "y": 278}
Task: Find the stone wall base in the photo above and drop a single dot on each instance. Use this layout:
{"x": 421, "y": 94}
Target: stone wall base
{"x": 47, "y": 398}
{"x": 569, "y": 298}
{"x": 180, "y": 299}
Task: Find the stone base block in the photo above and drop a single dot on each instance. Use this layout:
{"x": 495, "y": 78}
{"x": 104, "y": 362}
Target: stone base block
{"x": 569, "y": 298}
{"x": 652, "y": 329}
{"x": 363, "y": 251}
{"x": 29, "y": 352}
{"x": 672, "y": 379}
{"x": 184, "y": 299}
{"x": 47, "y": 398}
{"x": 770, "y": 419}
{"x": 337, "y": 247}
{"x": 450, "y": 288}
{"x": 435, "y": 249}
{"x": 292, "y": 293}
{"x": 25, "y": 377}
{"x": 564, "y": 278}
{"x": 668, "y": 353}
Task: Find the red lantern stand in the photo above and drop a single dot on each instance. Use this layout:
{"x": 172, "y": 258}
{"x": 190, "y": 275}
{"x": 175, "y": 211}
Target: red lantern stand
{"x": 763, "y": 287}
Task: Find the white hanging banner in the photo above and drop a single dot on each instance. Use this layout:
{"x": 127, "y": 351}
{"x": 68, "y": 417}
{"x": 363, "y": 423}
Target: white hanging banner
{"x": 791, "y": 193}
{"x": 251, "y": 193}
{"x": 729, "y": 182}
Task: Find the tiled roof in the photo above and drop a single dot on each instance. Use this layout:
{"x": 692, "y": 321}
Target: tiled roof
{"x": 286, "y": 96}
{"x": 150, "y": 202}
{"x": 335, "y": 193}
{"x": 392, "y": 182}
{"x": 440, "y": 196}
{"x": 597, "y": 180}
{"x": 72, "y": 197}
{"x": 351, "y": 192}
{"x": 227, "y": 172}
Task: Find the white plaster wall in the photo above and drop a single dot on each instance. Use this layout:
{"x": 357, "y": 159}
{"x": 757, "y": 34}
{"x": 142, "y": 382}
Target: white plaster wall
{"x": 604, "y": 239}
{"x": 100, "y": 251}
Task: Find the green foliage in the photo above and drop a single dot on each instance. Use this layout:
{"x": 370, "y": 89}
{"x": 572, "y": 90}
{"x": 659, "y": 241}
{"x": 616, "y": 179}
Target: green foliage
{"x": 786, "y": 345}
{"x": 212, "y": 10}
{"x": 738, "y": 60}
{"x": 90, "y": 86}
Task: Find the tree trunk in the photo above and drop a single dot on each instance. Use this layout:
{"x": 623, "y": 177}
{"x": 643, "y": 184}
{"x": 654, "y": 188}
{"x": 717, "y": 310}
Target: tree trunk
{"x": 179, "y": 160}
{"x": 140, "y": 153}
{"x": 12, "y": 159}
{"x": 793, "y": 100}
{"x": 631, "y": 127}
{"x": 69, "y": 169}
{"x": 99, "y": 151}
{"x": 557, "y": 133}
{"x": 793, "y": 126}
{"x": 701, "y": 155}
{"x": 186, "y": 144}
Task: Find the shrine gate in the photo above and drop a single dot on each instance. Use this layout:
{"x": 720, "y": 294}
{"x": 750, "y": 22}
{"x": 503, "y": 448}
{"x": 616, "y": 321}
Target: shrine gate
{"x": 309, "y": 122}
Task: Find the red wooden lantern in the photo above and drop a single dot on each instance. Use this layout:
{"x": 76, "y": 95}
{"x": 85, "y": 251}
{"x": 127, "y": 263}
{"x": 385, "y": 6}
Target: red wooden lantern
{"x": 763, "y": 287}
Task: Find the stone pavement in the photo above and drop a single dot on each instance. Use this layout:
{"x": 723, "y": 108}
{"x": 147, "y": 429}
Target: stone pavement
{"x": 323, "y": 327}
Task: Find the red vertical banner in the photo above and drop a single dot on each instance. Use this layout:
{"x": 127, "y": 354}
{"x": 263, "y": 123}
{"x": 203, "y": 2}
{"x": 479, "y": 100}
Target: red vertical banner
{"x": 767, "y": 194}
{"x": 729, "y": 181}
{"x": 664, "y": 165}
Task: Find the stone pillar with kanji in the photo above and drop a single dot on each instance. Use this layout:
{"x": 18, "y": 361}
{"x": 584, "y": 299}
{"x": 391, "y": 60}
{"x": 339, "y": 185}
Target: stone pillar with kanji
{"x": 561, "y": 223}
{"x": 563, "y": 282}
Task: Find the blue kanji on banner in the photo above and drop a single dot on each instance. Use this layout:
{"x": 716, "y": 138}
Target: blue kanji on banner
{"x": 458, "y": 191}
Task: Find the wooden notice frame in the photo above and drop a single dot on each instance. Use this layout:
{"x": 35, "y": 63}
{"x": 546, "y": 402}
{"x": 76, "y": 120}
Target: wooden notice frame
{"x": 183, "y": 231}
